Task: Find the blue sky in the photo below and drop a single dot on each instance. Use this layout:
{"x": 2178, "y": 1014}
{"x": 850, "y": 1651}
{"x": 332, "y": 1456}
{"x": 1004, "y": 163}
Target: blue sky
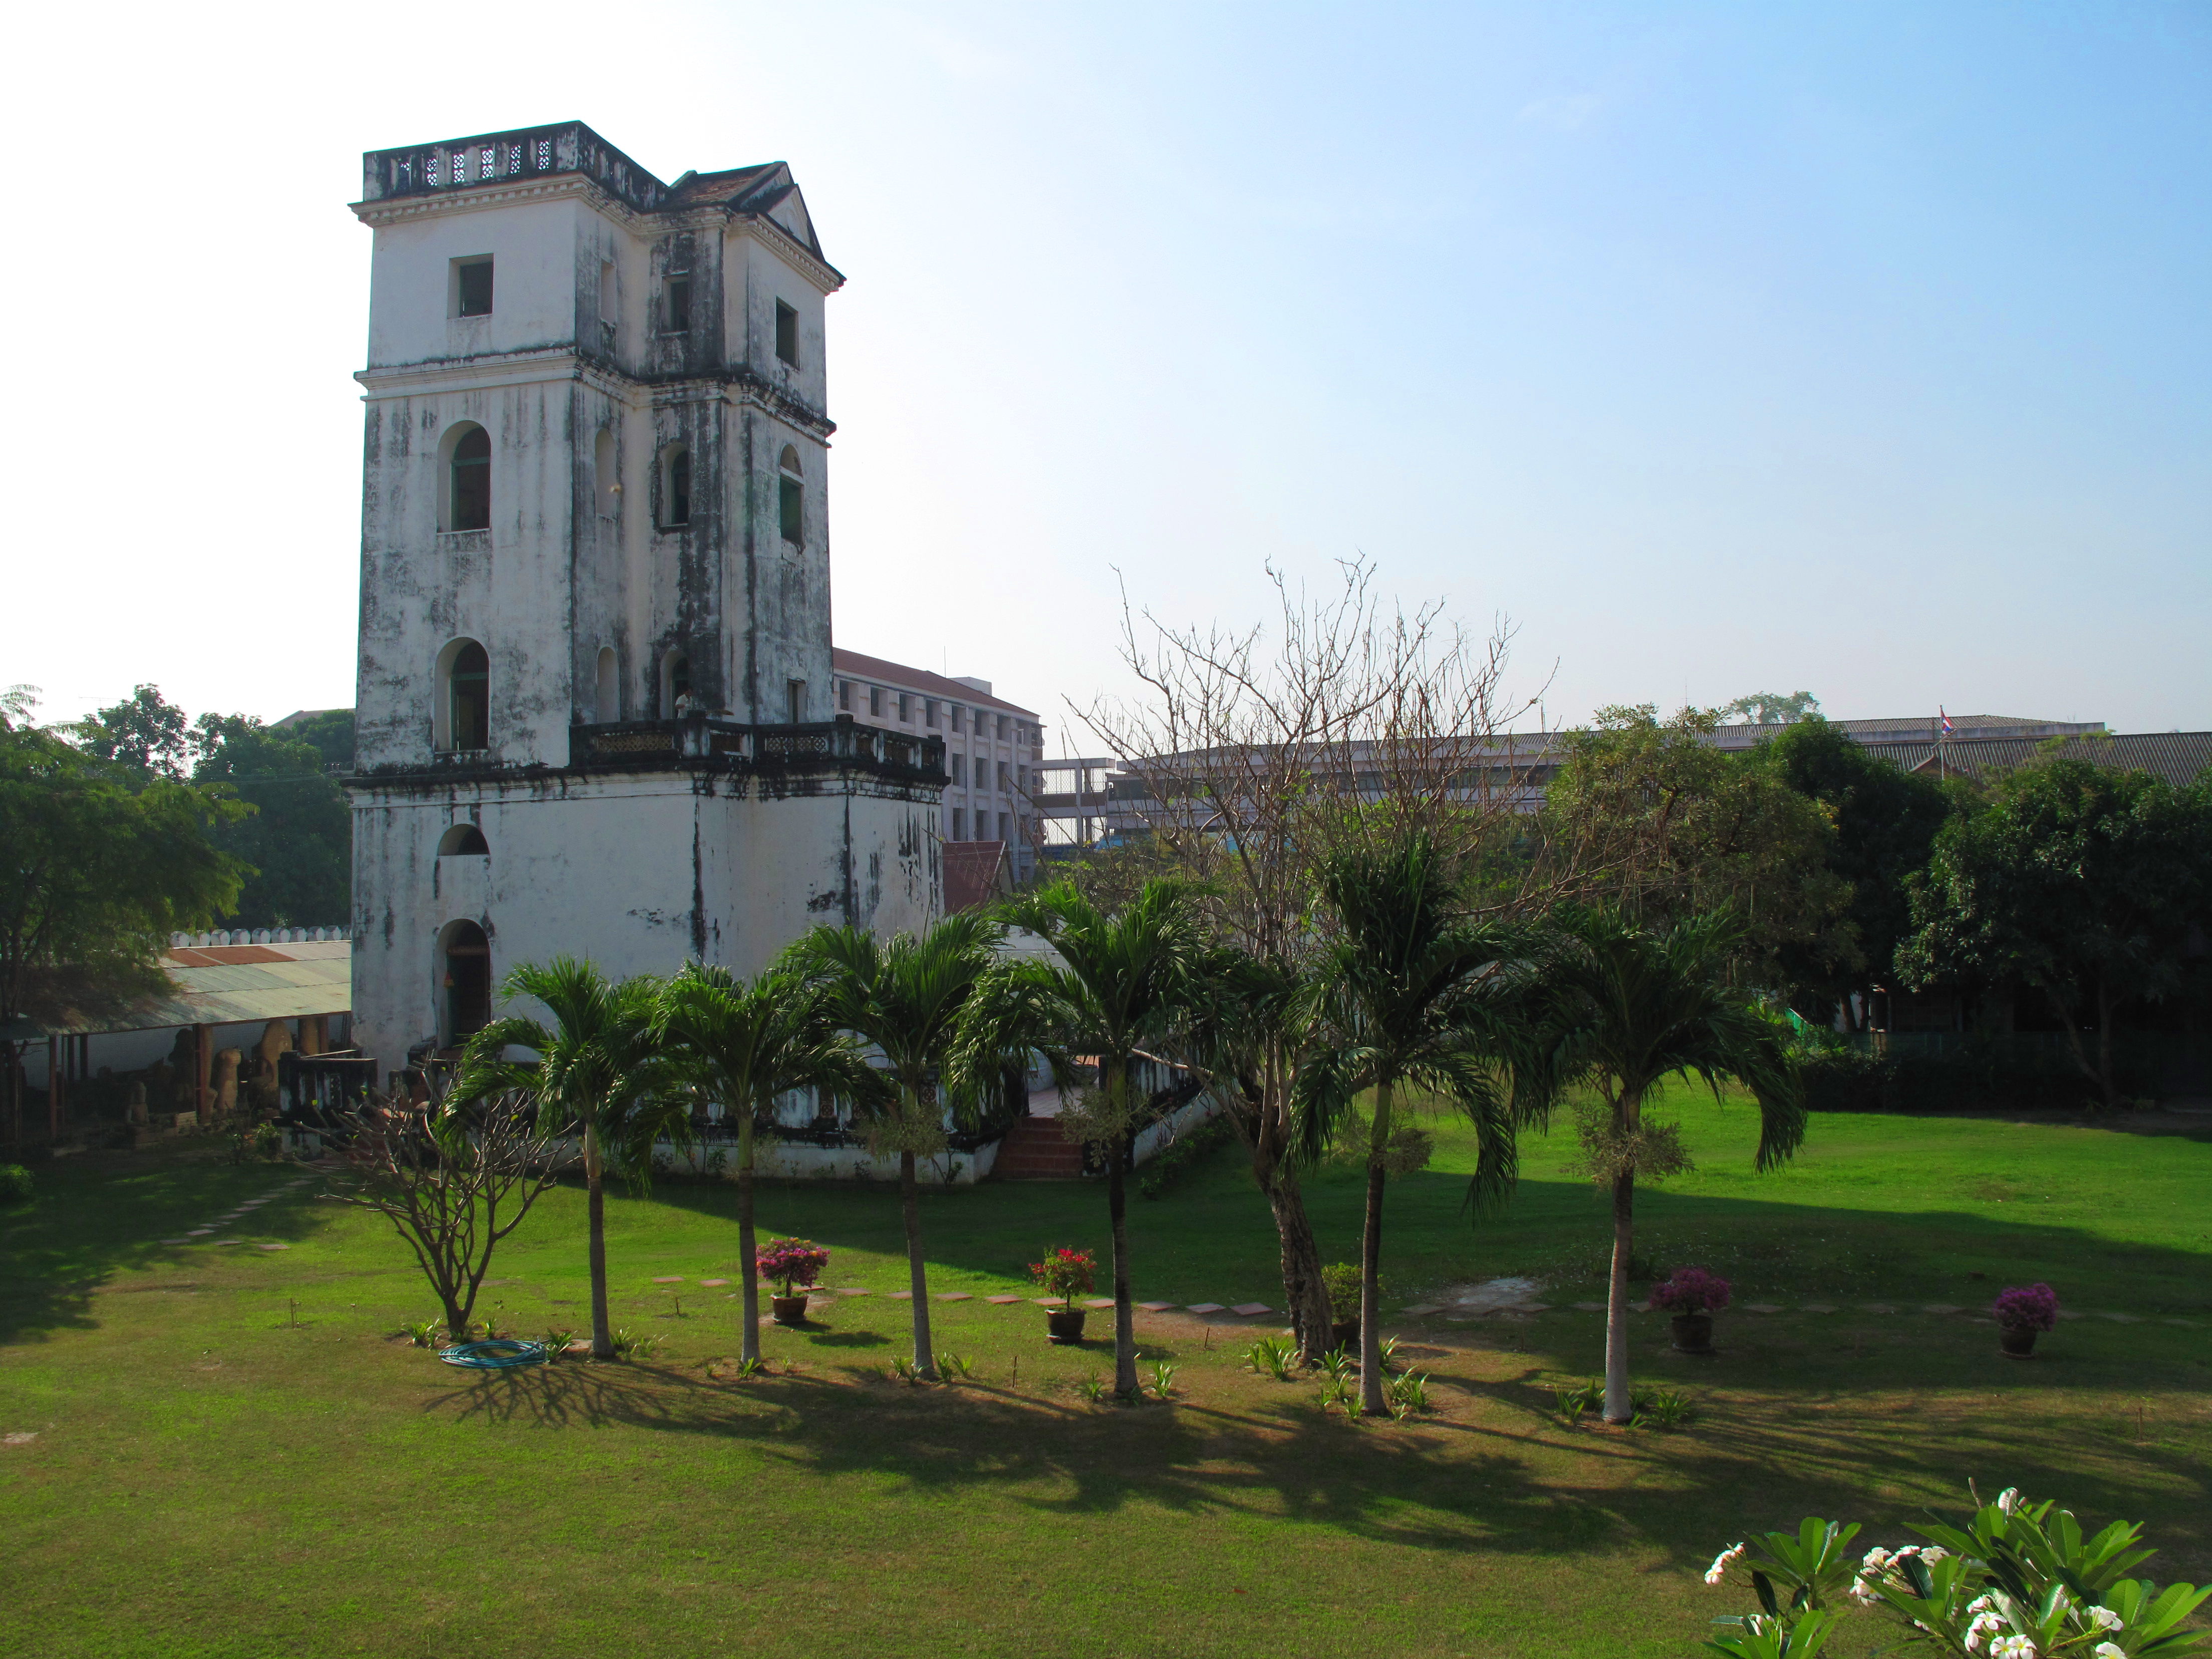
{"x": 1857, "y": 350}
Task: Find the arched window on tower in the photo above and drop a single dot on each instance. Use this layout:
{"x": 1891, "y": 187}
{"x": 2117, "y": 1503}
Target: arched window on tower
{"x": 468, "y": 484}
{"x": 675, "y": 685}
{"x": 465, "y": 982}
{"x": 606, "y": 485}
{"x": 675, "y": 487}
{"x": 607, "y": 688}
{"x": 462, "y": 717}
{"x": 463, "y": 840}
{"x": 791, "y": 497}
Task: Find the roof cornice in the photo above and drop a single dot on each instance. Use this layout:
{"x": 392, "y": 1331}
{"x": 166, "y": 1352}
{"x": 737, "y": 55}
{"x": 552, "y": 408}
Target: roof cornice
{"x": 738, "y": 384}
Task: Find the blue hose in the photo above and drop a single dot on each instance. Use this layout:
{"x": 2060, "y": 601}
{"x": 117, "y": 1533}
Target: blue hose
{"x": 503, "y": 1353}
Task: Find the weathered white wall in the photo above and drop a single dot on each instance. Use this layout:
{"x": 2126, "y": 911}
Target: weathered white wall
{"x": 637, "y": 872}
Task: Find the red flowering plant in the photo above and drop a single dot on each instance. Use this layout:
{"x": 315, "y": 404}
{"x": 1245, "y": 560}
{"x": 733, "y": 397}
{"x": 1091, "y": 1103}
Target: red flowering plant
{"x": 2027, "y": 1307}
{"x": 1690, "y": 1291}
{"x": 1065, "y": 1274}
{"x": 791, "y": 1262}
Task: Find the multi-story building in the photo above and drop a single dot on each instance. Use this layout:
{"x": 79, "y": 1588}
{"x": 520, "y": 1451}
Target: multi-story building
{"x": 993, "y": 748}
{"x": 594, "y": 715}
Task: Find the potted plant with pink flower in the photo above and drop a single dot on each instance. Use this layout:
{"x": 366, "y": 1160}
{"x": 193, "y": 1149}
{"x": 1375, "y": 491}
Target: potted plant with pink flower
{"x": 2022, "y": 1311}
{"x": 1066, "y": 1274}
{"x": 795, "y": 1264}
{"x": 1693, "y": 1297}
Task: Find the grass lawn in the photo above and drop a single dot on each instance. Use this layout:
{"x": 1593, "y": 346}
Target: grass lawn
{"x": 233, "y": 1456}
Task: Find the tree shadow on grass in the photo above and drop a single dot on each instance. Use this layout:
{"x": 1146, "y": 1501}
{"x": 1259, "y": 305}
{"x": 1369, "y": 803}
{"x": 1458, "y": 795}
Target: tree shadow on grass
{"x": 93, "y": 1218}
{"x": 1497, "y": 1474}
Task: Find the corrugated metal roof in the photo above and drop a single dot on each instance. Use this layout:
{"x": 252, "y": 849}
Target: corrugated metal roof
{"x": 285, "y": 982}
{"x": 2176, "y": 756}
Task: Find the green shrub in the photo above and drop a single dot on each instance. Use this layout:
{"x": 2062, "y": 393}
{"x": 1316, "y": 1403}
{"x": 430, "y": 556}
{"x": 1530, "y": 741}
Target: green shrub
{"x": 1341, "y": 1280}
{"x": 15, "y": 1183}
{"x": 1983, "y": 1076}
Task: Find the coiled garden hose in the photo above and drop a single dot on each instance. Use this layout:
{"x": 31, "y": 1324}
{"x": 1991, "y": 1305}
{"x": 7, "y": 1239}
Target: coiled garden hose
{"x": 501, "y": 1354}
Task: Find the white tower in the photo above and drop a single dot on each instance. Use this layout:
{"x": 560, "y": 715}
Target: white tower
{"x": 594, "y": 712}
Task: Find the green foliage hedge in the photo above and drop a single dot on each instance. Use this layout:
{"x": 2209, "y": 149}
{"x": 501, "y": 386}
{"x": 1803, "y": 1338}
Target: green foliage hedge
{"x": 1990, "y": 1077}
{"x": 15, "y": 1183}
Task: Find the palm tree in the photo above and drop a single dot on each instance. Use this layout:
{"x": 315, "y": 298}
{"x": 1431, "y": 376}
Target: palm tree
{"x": 742, "y": 1044}
{"x": 906, "y": 998}
{"x": 1244, "y": 1037}
{"x": 1123, "y": 985}
{"x": 599, "y": 1066}
{"x": 1628, "y": 1006}
{"x": 1411, "y": 994}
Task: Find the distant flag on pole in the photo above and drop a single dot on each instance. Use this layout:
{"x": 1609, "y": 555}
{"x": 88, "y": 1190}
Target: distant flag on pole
{"x": 1945, "y": 718}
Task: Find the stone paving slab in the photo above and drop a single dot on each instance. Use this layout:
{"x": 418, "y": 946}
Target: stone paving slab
{"x": 2185, "y": 1324}
{"x": 230, "y": 1241}
{"x": 2119, "y": 1318}
{"x": 1248, "y": 1310}
{"x": 1046, "y": 1301}
{"x": 1097, "y": 1302}
{"x": 900, "y": 1295}
{"x": 1158, "y": 1307}
{"x": 1424, "y": 1309}
{"x": 712, "y": 1284}
{"x": 272, "y": 1246}
{"x": 1746, "y": 1307}
{"x": 2071, "y": 1313}
{"x": 1817, "y": 1307}
{"x": 199, "y": 1233}
{"x": 668, "y": 1278}
{"x": 1590, "y": 1307}
{"x": 956, "y": 1296}
{"x": 1204, "y": 1308}
{"x": 1942, "y": 1308}
{"x": 1876, "y": 1307}
{"x": 855, "y": 1290}
{"x": 176, "y": 1240}
{"x": 1002, "y": 1300}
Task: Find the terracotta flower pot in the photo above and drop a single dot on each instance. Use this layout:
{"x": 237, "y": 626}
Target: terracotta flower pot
{"x": 1065, "y": 1324}
{"x": 1693, "y": 1332}
{"x": 788, "y": 1310}
{"x": 1345, "y": 1333}
{"x": 2018, "y": 1341}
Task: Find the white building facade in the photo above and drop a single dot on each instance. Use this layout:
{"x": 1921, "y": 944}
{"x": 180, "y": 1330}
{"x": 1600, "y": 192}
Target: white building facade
{"x": 993, "y": 748}
{"x": 595, "y": 714}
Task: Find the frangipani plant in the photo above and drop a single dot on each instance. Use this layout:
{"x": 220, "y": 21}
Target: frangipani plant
{"x": 2018, "y": 1581}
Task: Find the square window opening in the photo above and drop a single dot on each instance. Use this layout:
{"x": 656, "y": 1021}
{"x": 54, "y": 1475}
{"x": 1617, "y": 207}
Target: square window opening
{"x": 786, "y": 333}
{"x": 791, "y": 510}
{"x": 679, "y": 305}
{"x": 472, "y": 288}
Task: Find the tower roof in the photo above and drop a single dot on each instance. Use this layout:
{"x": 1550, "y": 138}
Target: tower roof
{"x": 765, "y": 190}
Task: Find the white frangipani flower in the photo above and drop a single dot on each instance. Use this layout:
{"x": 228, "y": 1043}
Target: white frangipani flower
{"x": 2009, "y": 1500}
{"x": 2109, "y": 1651}
{"x": 1716, "y": 1572}
{"x": 2105, "y": 1618}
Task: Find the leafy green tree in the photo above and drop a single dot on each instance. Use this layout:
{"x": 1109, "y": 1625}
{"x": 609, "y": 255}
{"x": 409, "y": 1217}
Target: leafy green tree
{"x": 600, "y": 1065}
{"x": 743, "y": 1044}
{"x": 1885, "y": 820}
{"x": 1412, "y": 995}
{"x": 96, "y": 877}
{"x": 145, "y": 733}
{"x": 298, "y": 836}
{"x": 1121, "y": 986}
{"x": 1775, "y": 708}
{"x": 330, "y": 733}
{"x": 1626, "y": 1006}
{"x": 2079, "y": 881}
{"x": 1650, "y": 816}
{"x": 907, "y": 999}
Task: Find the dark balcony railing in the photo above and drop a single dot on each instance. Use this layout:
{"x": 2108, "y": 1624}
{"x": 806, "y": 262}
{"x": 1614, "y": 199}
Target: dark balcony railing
{"x": 698, "y": 740}
{"x": 500, "y": 157}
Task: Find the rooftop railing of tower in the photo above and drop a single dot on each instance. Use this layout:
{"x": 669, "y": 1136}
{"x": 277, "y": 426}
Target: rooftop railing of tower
{"x": 490, "y": 158}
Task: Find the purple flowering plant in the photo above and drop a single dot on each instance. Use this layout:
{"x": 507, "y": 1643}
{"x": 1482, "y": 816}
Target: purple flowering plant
{"x": 2027, "y": 1307}
{"x": 1690, "y": 1291}
{"x": 791, "y": 1262}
